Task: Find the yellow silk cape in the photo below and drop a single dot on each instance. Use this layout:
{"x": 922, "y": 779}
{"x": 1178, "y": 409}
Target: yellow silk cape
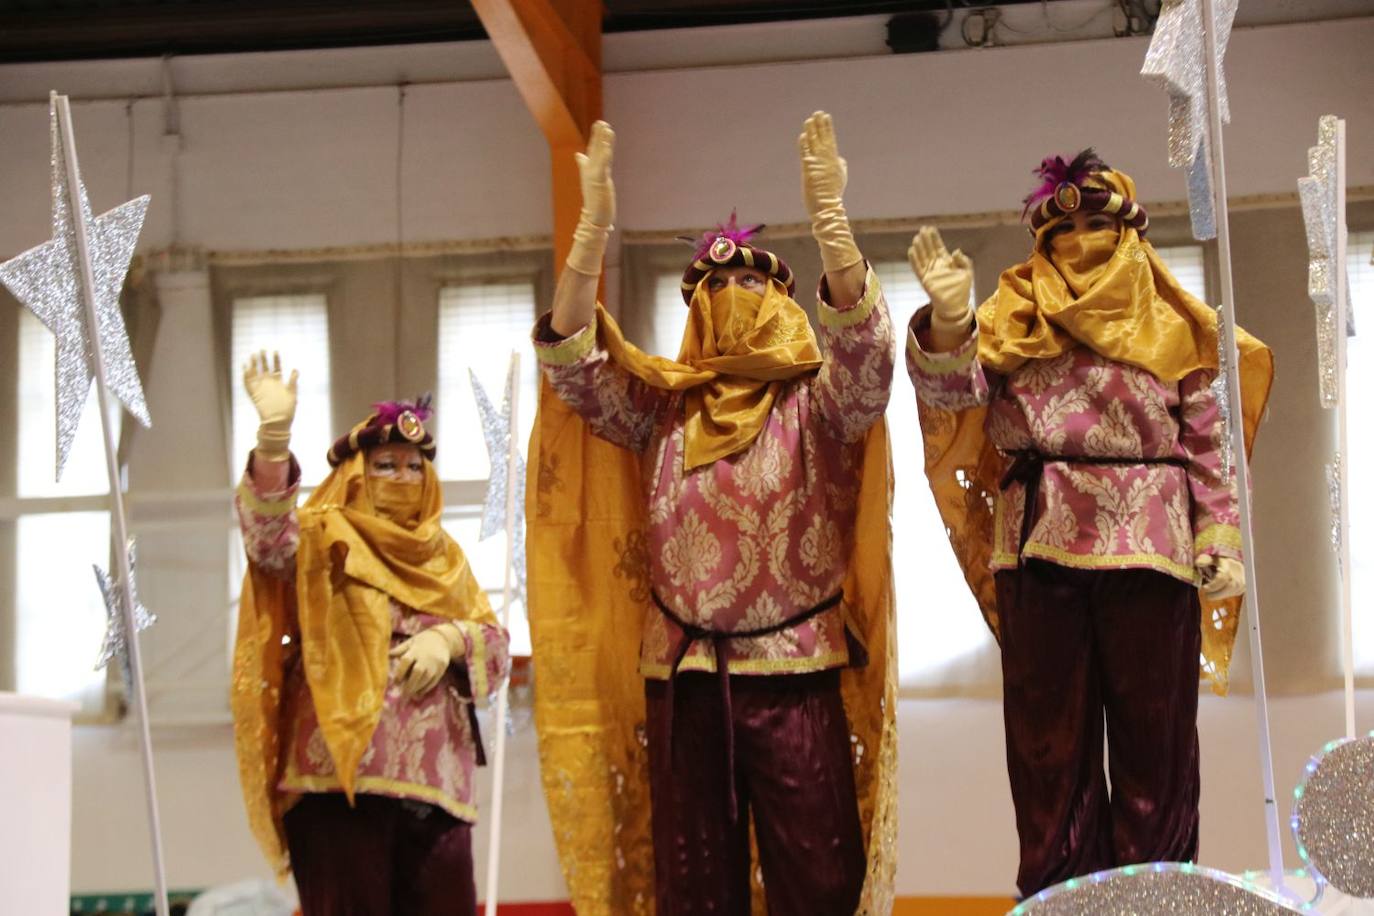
{"x": 1136, "y": 313}
{"x": 349, "y": 564}
{"x": 588, "y": 597}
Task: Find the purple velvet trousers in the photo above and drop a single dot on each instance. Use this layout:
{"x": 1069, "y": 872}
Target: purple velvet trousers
{"x": 386, "y": 857}
{"x": 792, "y": 769}
{"x": 1084, "y": 648}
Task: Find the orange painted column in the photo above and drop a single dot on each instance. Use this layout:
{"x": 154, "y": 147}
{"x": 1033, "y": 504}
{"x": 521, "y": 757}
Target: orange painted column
{"x": 552, "y": 49}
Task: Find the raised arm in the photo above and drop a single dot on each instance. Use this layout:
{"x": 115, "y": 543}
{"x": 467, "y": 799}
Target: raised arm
{"x": 824, "y": 176}
{"x": 266, "y": 498}
{"x": 574, "y": 299}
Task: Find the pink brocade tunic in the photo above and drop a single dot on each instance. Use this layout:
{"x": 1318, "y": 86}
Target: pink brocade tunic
{"x": 423, "y": 749}
{"x": 1095, "y": 516}
{"x": 753, "y": 539}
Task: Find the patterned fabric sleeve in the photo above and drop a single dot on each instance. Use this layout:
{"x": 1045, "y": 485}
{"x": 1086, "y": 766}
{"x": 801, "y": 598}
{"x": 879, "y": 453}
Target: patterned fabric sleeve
{"x": 855, "y": 380}
{"x": 487, "y": 658}
{"x": 1216, "y": 517}
{"x": 945, "y": 381}
{"x": 616, "y": 406}
{"x": 271, "y": 531}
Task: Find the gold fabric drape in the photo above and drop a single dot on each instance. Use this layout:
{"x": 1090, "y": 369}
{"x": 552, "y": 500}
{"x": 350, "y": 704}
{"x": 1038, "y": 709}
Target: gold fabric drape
{"x": 735, "y": 356}
{"x": 1135, "y": 312}
{"x": 588, "y": 597}
{"x": 350, "y": 564}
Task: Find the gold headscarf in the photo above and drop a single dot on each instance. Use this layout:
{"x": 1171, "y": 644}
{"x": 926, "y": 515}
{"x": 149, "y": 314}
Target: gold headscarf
{"x": 737, "y": 351}
{"x": 1128, "y": 308}
{"x": 588, "y": 598}
{"x": 350, "y": 563}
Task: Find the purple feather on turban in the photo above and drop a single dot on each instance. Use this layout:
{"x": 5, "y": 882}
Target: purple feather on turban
{"x": 1054, "y": 171}
{"x": 390, "y": 411}
{"x": 730, "y": 230}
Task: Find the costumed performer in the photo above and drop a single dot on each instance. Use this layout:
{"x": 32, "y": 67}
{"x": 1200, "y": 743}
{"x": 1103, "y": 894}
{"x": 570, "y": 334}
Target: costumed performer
{"x": 1075, "y": 445}
{"x": 363, "y": 642}
{"x": 710, "y": 594}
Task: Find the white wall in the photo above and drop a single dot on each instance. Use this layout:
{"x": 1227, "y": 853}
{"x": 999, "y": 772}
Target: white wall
{"x": 953, "y": 132}
{"x": 944, "y": 133}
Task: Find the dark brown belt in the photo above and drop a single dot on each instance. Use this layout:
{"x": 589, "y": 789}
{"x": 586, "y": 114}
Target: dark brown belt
{"x": 1028, "y": 467}
{"x": 693, "y": 633}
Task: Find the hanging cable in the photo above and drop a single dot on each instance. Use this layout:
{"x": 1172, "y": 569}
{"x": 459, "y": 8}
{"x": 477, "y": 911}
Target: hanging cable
{"x": 399, "y": 279}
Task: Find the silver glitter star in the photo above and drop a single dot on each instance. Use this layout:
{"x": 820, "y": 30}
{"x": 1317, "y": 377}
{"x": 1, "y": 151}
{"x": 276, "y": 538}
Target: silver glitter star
{"x": 1221, "y": 393}
{"x": 116, "y": 640}
{"x": 1333, "y": 495}
{"x": 1333, "y": 816}
{"x": 47, "y": 281}
{"x": 1318, "y": 192}
{"x": 1156, "y": 889}
{"x": 1175, "y": 61}
{"x": 496, "y": 429}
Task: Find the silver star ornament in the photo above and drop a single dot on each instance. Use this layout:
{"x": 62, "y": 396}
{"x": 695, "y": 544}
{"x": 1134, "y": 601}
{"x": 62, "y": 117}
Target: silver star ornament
{"x": 47, "y": 281}
{"x": 1175, "y": 61}
{"x": 116, "y": 638}
{"x": 496, "y": 430}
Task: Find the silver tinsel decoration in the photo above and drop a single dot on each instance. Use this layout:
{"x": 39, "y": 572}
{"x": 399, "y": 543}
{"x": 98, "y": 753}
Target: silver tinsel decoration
{"x": 116, "y": 640}
{"x": 1156, "y": 889}
{"x": 1318, "y": 192}
{"x": 1333, "y": 493}
{"x": 47, "y": 281}
{"x": 1175, "y": 61}
{"x": 1221, "y": 393}
{"x": 496, "y": 429}
{"x": 1333, "y": 816}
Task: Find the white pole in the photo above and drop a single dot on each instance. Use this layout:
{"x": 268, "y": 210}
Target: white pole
{"x": 499, "y": 767}
{"x": 1338, "y": 288}
{"x": 1242, "y": 464}
{"x": 117, "y": 516}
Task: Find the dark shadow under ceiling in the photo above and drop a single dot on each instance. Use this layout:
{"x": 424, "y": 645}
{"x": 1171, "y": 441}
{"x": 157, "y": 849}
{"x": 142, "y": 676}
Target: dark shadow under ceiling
{"x": 38, "y": 30}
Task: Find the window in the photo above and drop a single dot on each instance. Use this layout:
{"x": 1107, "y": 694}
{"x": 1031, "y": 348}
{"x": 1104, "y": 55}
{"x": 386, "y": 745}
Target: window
{"x": 1360, "y": 435}
{"x": 59, "y": 612}
{"x": 297, "y": 327}
{"x": 669, "y": 317}
{"x": 1189, "y": 267}
{"x": 480, "y": 323}
{"x": 946, "y": 627}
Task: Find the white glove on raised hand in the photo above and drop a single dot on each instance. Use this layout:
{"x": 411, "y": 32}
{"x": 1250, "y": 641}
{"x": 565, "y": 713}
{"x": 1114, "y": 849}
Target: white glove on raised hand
{"x": 1222, "y": 577}
{"x": 947, "y": 278}
{"x": 598, "y": 202}
{"x": 275, "y": 402}
{"x": 824, "y": 176}
{"x": 425, "y": 657}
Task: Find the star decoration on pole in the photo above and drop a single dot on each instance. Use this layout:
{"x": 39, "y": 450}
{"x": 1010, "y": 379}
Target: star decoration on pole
{"x": 1317, "y": 190}
{"x": 47, "y": 281}
{"x": 116, "y": 639}
{"x": 1175, "y": 62}
{"x": 496, "y": 430}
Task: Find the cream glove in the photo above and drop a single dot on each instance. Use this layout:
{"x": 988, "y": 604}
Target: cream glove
{"x": 1222, "y": 577}
{"x": 824, "y": 175}
{"x": 948, "y": 280}
{"x": 275, "y": 401}
{"x": 425, "y": 657}
{"x": 597, "y": 220}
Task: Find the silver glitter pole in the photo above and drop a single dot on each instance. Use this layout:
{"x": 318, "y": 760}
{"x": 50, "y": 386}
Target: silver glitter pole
{"x": 1339, "y": 284}
{"x": 503, "y": 695}
{"x": 1242, "y": 463}
{"x": 117, "y": 516}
